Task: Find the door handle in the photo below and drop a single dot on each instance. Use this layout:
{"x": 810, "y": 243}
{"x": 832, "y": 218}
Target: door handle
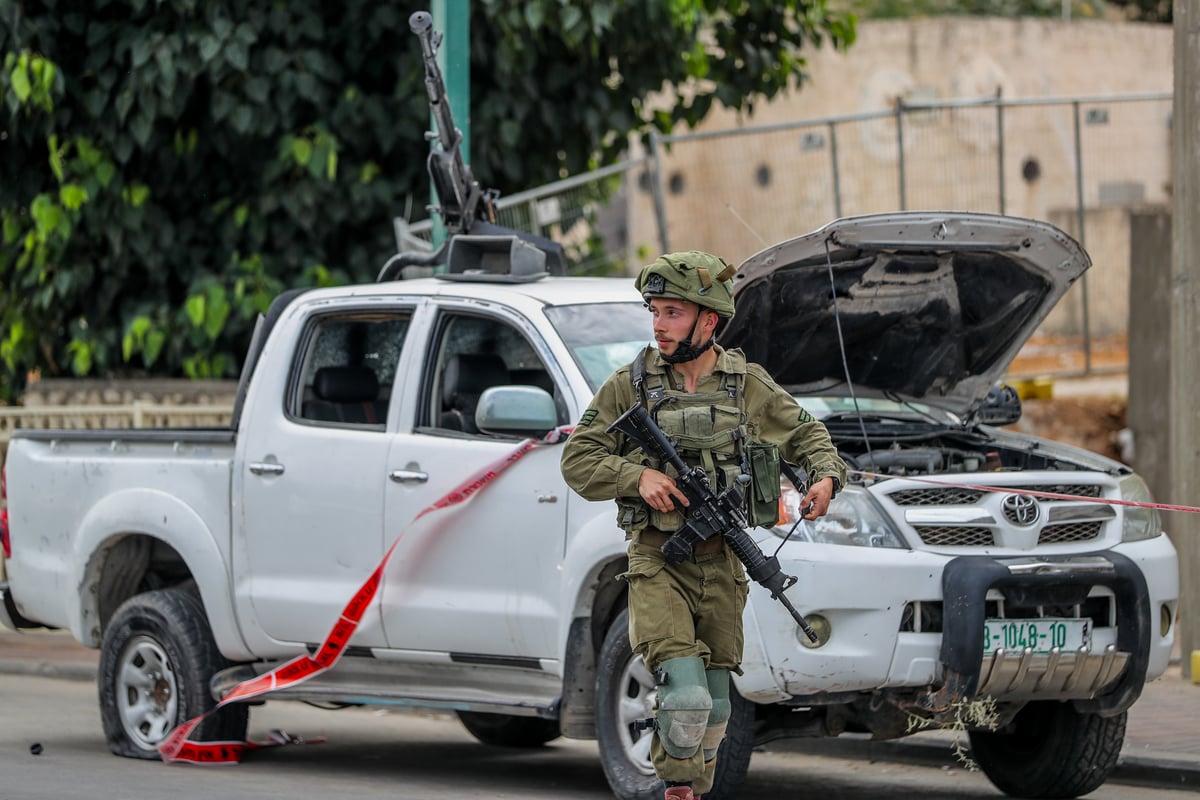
{"x": 408, "y": 476}
{"x": 266, "y": 468}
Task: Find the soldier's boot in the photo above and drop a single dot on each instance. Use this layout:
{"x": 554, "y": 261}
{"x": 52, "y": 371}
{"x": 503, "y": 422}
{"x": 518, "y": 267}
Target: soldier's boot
{"x": 679, "y": 793}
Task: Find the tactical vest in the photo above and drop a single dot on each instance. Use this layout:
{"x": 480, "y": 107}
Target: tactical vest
{"x": 708, "y": 429}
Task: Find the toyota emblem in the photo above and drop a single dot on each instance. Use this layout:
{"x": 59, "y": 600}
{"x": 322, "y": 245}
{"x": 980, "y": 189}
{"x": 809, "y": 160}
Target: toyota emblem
{"x": 1021, "y": 509}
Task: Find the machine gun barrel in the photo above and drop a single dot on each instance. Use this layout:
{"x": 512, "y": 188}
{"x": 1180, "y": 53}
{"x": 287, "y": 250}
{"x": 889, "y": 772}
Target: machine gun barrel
{"x": 709, "y": 513}
{"x": 462, "y": 200}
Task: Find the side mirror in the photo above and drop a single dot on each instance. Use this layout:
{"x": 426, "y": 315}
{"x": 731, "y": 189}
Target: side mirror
{"x": 1002, "y": 406}
{"x": 521, "y": 410}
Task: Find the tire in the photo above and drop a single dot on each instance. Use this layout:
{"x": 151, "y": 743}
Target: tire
{"x": 156, "y": 660}
{"x": 505, "y": 730}
{"x": 625, "y": 695}
{"x": 1050, "y": 750}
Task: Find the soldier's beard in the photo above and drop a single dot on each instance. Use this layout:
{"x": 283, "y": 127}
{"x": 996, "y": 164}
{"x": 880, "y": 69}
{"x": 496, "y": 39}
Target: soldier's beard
{"x": 686, "y": 351}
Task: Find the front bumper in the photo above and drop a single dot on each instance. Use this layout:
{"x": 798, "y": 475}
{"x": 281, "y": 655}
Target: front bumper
{"x": 1105, "y": 682}
{"x": 866, "y": 595}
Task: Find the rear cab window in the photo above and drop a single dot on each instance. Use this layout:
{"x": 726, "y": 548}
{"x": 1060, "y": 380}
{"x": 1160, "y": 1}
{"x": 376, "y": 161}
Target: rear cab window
{"x": 345, "y": 369}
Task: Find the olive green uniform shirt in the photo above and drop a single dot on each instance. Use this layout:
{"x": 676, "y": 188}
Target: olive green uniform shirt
{"x": 593, "y": 461}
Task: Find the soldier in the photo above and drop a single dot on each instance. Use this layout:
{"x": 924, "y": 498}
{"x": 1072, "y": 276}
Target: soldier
{"x": 728, "y": 415}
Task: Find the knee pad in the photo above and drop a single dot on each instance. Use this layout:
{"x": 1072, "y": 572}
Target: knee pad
{"x": 684, "y": 706}
{"x": 718, "y": 717}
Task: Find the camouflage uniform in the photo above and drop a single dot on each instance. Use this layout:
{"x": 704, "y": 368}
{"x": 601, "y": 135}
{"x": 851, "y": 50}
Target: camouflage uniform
{"x": 694, "y": 608}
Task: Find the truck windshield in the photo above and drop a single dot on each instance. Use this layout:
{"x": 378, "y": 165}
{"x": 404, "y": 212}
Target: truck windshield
{"x": 601, "y": 336}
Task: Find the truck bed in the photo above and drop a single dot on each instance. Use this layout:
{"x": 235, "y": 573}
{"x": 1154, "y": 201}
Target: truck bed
{"x": 87, "y": 483}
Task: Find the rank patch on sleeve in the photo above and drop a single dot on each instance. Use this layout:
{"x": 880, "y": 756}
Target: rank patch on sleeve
{"x": 588, "y": 417}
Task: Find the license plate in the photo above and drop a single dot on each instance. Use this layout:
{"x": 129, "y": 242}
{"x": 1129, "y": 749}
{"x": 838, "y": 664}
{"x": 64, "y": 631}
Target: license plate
{"x": 1040, "y": 635}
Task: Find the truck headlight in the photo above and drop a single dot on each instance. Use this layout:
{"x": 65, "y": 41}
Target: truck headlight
{"x": 1140, "y": 523}
{"x": 854, "y": 519}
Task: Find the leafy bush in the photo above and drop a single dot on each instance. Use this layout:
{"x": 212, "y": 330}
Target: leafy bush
{"x": 168, "y": 166}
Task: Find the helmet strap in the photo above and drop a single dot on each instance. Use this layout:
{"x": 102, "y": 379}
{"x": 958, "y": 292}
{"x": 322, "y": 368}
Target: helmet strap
{"x": 686, "y": 351}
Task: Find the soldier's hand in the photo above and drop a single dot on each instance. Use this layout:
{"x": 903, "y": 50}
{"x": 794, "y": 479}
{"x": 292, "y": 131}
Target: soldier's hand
{"x": 657, "y": 489}
{"x": 820, "y": 494}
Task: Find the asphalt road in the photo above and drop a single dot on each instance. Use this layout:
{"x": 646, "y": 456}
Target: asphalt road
{"x": 373, "y": 753}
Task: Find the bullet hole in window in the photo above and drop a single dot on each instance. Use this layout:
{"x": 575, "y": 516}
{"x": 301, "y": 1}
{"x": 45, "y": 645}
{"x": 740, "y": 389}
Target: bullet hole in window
{"x": 676, "y": 183}
{"x": 762, "y": 176}
{"x": 1031, "y": 169}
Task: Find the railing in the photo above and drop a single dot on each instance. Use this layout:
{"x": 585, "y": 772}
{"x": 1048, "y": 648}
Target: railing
{"x": 137, "y": 414}
{"x": 734, "y": 191}
{"x": 577, "y": 212}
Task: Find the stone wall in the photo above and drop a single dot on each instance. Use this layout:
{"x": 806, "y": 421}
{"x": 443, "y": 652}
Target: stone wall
{"x": 102, "y": 391}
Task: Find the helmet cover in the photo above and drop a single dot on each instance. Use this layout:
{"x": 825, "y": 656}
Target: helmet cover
{"x": 700, "y": 278}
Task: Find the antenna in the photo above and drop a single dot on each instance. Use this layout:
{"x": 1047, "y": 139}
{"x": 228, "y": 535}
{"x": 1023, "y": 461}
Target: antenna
{"x": 742, "y": 220}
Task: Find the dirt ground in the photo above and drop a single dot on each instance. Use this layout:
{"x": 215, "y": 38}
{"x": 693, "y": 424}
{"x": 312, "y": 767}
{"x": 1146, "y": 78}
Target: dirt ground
{"x": 1093, "y": 423}
{"x": 1088, "y": 414}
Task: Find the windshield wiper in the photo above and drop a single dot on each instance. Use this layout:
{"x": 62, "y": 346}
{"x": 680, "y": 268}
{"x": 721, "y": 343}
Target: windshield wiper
{"x": 896, "y": 398}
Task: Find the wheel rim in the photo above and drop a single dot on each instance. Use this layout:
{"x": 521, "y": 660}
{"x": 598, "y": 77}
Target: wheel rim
{"x": 147, "y": 692}
{"x": 635, "y": 702}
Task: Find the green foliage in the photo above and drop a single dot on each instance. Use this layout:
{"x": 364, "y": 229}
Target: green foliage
{"x": 549, "y": 72}
{"x": 1145, "y": 10}
{"x": 168, "y": 166}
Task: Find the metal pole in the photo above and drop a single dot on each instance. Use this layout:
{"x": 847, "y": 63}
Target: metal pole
{"x": 535, "y": 224}
{"x": 1087, "y": 328}
{"x": 900, "y": 151}
{"x": 837, "y": 179}
{"x": 453, "y": 17}
{"x": 1183, "y": 421}
{"x": 660, "y": 205}
{"x": 1000, "y": 146}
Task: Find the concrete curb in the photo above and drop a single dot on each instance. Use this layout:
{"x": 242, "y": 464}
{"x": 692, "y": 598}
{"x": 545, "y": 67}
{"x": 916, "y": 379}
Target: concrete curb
{"x": 45, "y": 669}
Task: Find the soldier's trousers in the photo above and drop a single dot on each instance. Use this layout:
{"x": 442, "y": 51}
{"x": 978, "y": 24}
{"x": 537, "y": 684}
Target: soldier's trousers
{"x": 691, "y": 609}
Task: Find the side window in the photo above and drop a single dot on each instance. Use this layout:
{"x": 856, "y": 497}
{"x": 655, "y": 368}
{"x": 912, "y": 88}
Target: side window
{"x": 345, "y": 369}
{"x": 472, "y": 354}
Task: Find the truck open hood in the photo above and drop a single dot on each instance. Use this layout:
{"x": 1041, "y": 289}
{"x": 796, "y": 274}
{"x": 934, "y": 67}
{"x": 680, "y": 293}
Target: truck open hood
{"x": 932, "y": 306}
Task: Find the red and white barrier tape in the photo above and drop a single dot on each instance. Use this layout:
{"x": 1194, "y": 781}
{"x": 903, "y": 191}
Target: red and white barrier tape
{"x": 1030, "y": 492}
{"x": 177, "y": 748}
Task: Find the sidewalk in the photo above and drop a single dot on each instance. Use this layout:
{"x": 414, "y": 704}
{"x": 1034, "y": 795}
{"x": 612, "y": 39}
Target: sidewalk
{"x": 1162, "y": 745}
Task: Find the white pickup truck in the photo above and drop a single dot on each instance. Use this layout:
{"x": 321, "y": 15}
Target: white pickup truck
{"x": 963, "y": 563}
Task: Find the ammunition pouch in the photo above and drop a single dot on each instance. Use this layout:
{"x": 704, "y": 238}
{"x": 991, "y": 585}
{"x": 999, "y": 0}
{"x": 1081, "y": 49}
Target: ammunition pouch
{"x": 762, "y": 501}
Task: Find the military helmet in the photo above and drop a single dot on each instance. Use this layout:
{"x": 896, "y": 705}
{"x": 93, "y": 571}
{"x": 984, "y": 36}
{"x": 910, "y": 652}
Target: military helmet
{"x": 701, "y": 278}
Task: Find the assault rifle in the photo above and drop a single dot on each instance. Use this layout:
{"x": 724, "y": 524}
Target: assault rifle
{"x": 709, "y": 514}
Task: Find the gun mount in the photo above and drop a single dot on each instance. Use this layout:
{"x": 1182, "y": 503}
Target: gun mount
{"x": 466, "y": 210}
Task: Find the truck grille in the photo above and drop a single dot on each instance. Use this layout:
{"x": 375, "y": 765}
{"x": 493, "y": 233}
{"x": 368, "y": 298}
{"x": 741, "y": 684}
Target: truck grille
{"x": 950, "y": 496}
{"x": 1079, "y": 532}
{"x": 949, "y": 536}
{"x": 1009, "y": 517}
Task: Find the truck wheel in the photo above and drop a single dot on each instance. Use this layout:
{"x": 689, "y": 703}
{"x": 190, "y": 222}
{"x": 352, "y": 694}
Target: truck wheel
{"x": 1050, "y": 750}
{"x": 506, "y": 730}
{"x": 625, "y": 695}
{"x": 156, "y": 659}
